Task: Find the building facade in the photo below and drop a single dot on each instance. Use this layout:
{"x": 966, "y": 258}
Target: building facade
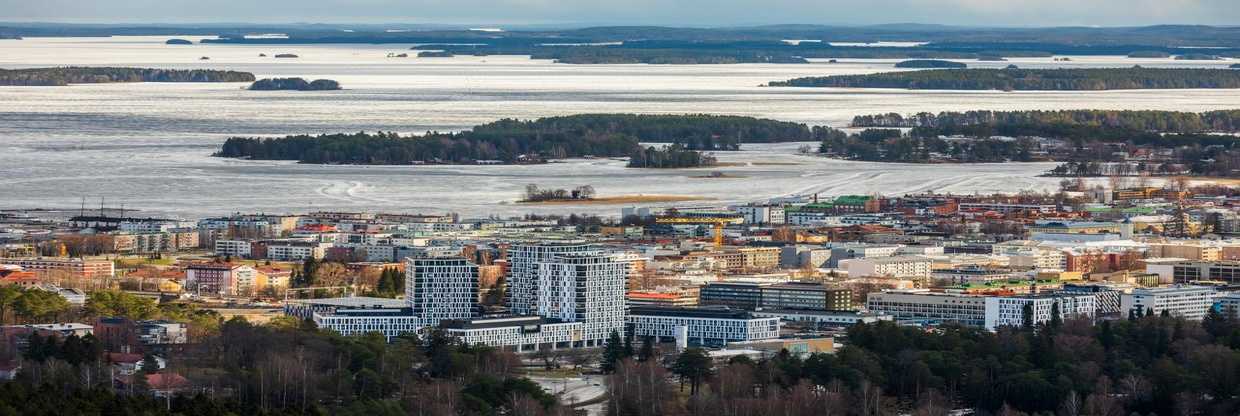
{"x": 705, "y": 326}
{"x": 440, "y": 289}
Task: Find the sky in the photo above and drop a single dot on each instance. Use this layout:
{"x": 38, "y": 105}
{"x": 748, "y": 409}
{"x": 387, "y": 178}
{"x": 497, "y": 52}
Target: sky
{"x": 633, "y": 12}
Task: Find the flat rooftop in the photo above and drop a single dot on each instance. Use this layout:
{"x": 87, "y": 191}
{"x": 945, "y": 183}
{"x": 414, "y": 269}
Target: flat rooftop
{"x": 353, "y": 302}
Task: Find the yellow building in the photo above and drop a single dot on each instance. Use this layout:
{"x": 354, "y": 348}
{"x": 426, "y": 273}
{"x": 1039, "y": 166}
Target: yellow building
{"x": 1184, "y": 250}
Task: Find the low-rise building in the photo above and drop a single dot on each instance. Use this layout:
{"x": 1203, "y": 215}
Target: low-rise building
{"x": 64, "y": 268}
{"x": 703, "y": 326}
{"x": 800, "y": 295}
{"x": 1185, "y": 301}
{"x": 906, "y": 267}
{"x": 924, "y": 306}
{"x": 822, "y": 318}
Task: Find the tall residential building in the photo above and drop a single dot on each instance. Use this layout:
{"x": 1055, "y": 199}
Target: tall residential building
{"x": 440, "y": 289}
{"x": 586, "y": 288}
{"x": 523, "y": 259}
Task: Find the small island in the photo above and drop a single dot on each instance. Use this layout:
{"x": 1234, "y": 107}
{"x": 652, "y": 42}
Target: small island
{"x": 435, "y": 54}
{"x": 62, "y": 76}
{"x": 1197, "y": 57}
{"x": 671, "y": 157}
{"x": 178, "y": 42}
{"x": 1149, "y": 54}
{"x": 294, "y": 84}
{"x": 585, "y": 195}
{"x": 511, "y": 141}
{"x": 286, "y": 55}
{"x": 931, "y": 63}
{"x": 1082, "y": 79}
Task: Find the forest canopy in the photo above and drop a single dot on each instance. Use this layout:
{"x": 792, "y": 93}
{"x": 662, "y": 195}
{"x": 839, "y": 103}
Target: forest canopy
{"x": 519, "y": 141}
{"x": 97, "y": 75}
{"x": 1016, "y": 79}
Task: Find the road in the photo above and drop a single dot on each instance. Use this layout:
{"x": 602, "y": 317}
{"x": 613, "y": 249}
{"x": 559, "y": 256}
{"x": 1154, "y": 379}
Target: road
{"x": 574, "y": 390}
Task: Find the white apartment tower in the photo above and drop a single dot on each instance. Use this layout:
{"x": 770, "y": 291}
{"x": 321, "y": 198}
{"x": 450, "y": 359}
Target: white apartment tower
{"x": 443, "y": 288}
{"x": 522, "y": 291}
{"x": 586, "y": 288}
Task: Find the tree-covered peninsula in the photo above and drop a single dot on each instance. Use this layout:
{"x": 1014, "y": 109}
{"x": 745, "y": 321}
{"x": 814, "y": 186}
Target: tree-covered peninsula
{"x": 1016, "y": 79}
{"x": 516, "y": 141}
{"x": 97, "y": 75}
{"x": 1090, "y": 142}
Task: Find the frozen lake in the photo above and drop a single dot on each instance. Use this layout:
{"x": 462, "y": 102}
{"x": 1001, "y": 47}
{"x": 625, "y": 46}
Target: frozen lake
{"x": 148, "y": 145}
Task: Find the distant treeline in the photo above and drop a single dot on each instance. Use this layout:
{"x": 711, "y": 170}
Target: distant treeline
{"x": 97, "y": 75}
{"x": 1146, "y": 120}
{"x": 890, "y": 145}
{"x": 1163, "y": 129}
{"x": 674, "y": 156}
{"x": 517, "y": 141}
{"x": 1190, "y": 142}
{"x": 1015, "y": 79}
{"x": 931, "y": 63}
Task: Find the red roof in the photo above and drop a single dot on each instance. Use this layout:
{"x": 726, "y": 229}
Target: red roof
{"x": 122, "y": 357}
{"x": 165, "y": 381}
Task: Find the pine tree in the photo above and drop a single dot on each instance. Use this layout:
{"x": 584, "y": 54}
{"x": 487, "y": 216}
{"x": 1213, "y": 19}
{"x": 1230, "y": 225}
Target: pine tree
{"x": 647, "y": 350}
{"x": 1026, "y": 316}
{"x": 628, "y": 344}
{"x": 613, "y": 352}
{"x": 1056, "y": 317}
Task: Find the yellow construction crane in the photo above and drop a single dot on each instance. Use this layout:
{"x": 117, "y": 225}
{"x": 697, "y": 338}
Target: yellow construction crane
{"x": 717, "y": 222}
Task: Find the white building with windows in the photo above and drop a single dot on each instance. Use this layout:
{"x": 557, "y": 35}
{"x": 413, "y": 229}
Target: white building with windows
{"x": 921, "y": 305}
{"x": 523, "y": 259}
{"x": 822, "y": 318}
{"x": 1009, "y": 310}
{"x": 296, "y": 250}
{"x": 441, "y": 289}
{"x": 705, "y": 326}
{"x": 584, "y": 288}
{"x": 234, "y": 248}
{"x": 904, "y": 267}
{"x": 761, "y": 214}
{"x": 990, "y": 312}
{"x": 520, "y": 333}
{"x": 1185, "y": 301}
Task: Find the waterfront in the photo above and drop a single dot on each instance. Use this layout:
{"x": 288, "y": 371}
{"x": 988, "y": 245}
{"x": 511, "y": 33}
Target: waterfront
{"x": 148, "y": 146}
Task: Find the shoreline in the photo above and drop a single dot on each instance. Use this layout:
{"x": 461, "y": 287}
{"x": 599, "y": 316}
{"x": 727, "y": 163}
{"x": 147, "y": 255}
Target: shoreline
{"x": 620, "y": 199}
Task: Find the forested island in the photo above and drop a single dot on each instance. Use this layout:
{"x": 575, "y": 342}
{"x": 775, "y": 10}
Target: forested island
{"x": 674, "y": 156}
{"x": 295, "y": 84}
{"x": 515, "y": 141}
{"x": 931, "y": 63}
{"x": 435, "y": 54}
{"x": 96, "y": 75}
{"x": 1016, "y": 79}
{"x": 1197, "y": 57}
{"x": 1149, "y": 54}
{"x": 1090, "y": 142}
